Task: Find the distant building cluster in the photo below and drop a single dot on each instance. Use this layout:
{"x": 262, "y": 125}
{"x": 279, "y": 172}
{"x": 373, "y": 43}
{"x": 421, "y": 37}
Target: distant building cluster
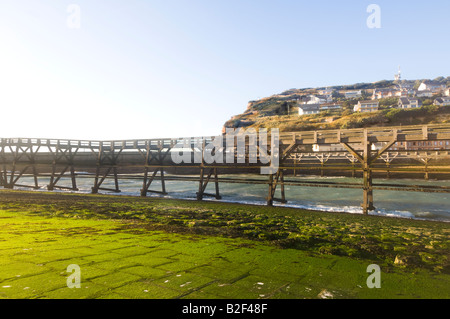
{"x": 408, "y": 97}
{"x": 421, "y": 145}
{"x": 398, "y": 146}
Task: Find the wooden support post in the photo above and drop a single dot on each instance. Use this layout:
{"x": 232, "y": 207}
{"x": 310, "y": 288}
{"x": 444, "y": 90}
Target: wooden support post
{"x": 111, "y": 166}
{"x": 366, "y": 160}
{"x": 270, "y": 196}
{"x": 51, "y": 185}
{"x": 283, "y": 196}
{"x": 10, "y": 184}
{"x": 116, "y": 180}
{"x": 33, "y": 165}
{"x": 97, "y": 176}
{"x": 322, "y": 159}
{"x": 144, "y": 183}
{"x": 73, "y": 178}
{"x": 279, "y": 175}
{"x": 35, "y": 174}
{"x": 295, "y": 166}
{"x": 425, "y": 161}
{"x": 159, "y": 160}
{"x": 203, "y": 183}
{"x": 147, "y": 160}
{"x": 273, "y": 182}
{"x": 200, "y": 185}
{"x": 216, "y": 184}
{"x": 163, "y": 182}
{"x": 388, "y": 172}
{"x": 54, "y": 178}
{"x": 367, "y": 204}
{"x": 4, "y": 176}
{"x": 97, "y": 170}
{"x": 13, "y": 178}
{"x": 98, "y": 182}
{"x": 148, "y": 181}
{"x": 297, "y": 160}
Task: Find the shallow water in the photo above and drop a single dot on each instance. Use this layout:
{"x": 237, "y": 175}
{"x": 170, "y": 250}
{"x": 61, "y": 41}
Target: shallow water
{"x": 418, "y": 205}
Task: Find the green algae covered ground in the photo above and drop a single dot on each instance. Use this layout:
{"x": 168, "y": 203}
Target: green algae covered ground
{"x": 131, "y": 247}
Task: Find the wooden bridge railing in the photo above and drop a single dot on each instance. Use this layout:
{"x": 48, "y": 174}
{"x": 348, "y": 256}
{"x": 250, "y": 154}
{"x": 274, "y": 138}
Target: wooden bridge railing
{"x": 375, "y": 134}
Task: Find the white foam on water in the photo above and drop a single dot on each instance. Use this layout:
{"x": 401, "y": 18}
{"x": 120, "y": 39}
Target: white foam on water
{"x": 254, "y": 195}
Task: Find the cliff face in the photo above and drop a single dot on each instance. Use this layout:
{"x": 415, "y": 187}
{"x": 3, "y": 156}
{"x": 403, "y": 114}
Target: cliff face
{"x": 281, "y": 110}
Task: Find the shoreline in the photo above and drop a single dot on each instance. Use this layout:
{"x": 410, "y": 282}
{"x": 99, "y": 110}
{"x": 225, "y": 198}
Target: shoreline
{"x": 351, "y": 210}
{"x": 25, "y": 193}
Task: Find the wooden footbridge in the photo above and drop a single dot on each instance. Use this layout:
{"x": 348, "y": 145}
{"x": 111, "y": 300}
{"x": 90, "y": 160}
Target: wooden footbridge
{"x": 367, "y": 152}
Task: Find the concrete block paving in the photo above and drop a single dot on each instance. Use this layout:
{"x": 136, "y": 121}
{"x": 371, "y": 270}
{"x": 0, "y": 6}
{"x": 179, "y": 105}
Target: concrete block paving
{"x": 115, "y": 264}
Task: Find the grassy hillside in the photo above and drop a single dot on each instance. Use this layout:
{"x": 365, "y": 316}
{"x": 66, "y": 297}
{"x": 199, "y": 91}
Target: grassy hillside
{"x": 343, "y": 120}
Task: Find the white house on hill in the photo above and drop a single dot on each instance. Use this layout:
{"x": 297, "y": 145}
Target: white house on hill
{"x": 308, "y": 109}
{"x": 432, "y": 86}
{"x": 425, "y": 93}
{"x": 366, "y": 106}
{"x": 319, "y": 99}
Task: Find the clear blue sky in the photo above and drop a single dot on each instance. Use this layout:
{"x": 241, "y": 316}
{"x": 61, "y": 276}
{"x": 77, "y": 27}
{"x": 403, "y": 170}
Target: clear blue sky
{"x": 147, "y": 69}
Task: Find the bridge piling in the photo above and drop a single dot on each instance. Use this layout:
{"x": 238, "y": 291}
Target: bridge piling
{"x": 203, "y": 183}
